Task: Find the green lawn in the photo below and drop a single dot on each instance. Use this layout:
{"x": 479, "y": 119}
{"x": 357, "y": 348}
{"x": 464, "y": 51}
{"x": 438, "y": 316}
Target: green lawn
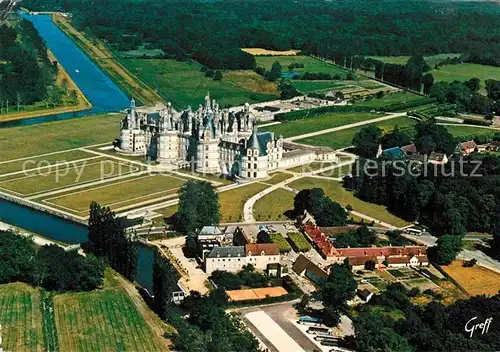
{"x": 184, "y": 84}
{"x": 232, "y": 201}
{"x": 33, "y": 140}
{"x": 431, "y": 60}
{"x": 102, "y": 320}
{"x": 310, "y": 64}
{"x": 43, "y": 161}
{"x": 21, "y": 318}
{"x": 277, "y": 177}
{"x": 389, "y": 99}
{"x": 119, "y": 194}
{"x": 281, "y": 242}
{"x": 464, "y": 72}
{"x": 68, "y": 175}
{"x": 274, "y": 205}
{"x": 299, "y": 242}
{"x": 335, "y": 191}
{"x": 343, "y": 138}
{"x": 458, "y": 131}
{"x": 311, "y": 86}
{"x": 308, "y": 125}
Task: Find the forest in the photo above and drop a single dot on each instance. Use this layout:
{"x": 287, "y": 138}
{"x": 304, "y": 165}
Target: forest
{"x": 213, "y": 31}
{"x": 25, "y": 69}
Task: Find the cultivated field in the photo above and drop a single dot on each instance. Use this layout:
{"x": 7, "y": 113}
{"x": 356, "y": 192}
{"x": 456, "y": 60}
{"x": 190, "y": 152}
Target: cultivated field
{"x": 102, "y": 320}
{"x": 336, "y": 192}
{"x": 464, "y": 72}
{"x": 274, "y": 205}
{"x": 121, "y": 194}
{"x": 343, "y": 138}
{"x": 20, "y": 318}
{"x": 184, "y": 84}
{"x": 67, "y": 175}
{"x": 33, "y": 140}
{"x": 476, "y": 280}
{"x": 260, "y": 51}
{"x": 313, "y": 124}
{"x": 232, "y": 201}
{"x": 310, "y": 64}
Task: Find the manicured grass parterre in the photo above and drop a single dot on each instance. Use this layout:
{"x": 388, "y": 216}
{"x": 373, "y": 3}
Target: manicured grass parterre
{"x": 232, "y": 201}
{"x": 67, "y": 175}
{"x": 299, "y": 242}
{"x": 21, "y": 318}
{"x": 277, "y": 177}
{"x": 43, "y": 161}
{"x": 476, "y": 280}
{"x": 310, "y": 64}
{"x": 120, "y": 194}
{"x": 33, "y": 140}
{"x": 274, "y": 205}
{"x": 464, "y": 72}
{"x": 338, "y": 172}
{"x": 184, "y": 84}
{"x": 102, "y": 320}
{"x": 343, "y": 138}
{"x": 281, "y": 242}
{"x": 336, "y": 192}
{"x": 308, "y": 125}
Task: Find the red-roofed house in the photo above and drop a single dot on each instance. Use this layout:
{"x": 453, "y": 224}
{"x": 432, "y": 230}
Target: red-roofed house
{"x": 468, "y": 147}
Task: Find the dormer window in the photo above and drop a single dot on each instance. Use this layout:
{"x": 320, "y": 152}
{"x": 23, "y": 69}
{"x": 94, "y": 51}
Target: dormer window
{"x": 262, "y": 253}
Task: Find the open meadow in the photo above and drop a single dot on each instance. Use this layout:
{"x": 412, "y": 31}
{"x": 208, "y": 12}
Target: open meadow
{"x": 277, "y": 177}
{"x": 336, "y": 192}
{"x": 464, "y": 72}
{"x": 314, "y": 124}
{"x": 431, "y": 60}
{"x": 21, "y": 318}
{"x": 458, "y": 131}
{"x": 184, "y": 84}
{"x": 33, "y": 140}
{"x": 389, "y": 99}
{"x": 310, "y": 64}
{"x": 476, "y": 280}
{"x": 343, "y": 138}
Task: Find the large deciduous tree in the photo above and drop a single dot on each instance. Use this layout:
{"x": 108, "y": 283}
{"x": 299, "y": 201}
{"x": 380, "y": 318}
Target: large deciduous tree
{"x": 448, "y": 247}
{"x": 198, "y": 206}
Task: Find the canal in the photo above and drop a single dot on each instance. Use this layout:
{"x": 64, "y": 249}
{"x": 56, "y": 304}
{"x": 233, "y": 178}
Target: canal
{"x": 99, "y": 89}
{"x": 105, "y": 96}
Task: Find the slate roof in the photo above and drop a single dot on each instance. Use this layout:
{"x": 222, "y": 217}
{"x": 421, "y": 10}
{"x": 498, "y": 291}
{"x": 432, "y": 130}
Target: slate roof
{"x": 227, "y": 252}
{"x": 259, "y": 141}
{"x": 364, "y": 294}
{"x": 393, "y": 153}
{"x": 210, "y": 230}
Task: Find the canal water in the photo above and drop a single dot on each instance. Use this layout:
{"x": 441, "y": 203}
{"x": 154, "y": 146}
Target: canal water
{"x": 99, "y": 89}
{"x": 105, "y": 96}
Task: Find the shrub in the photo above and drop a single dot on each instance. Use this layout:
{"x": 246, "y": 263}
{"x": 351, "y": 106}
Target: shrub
{"x": 470, "y": 263}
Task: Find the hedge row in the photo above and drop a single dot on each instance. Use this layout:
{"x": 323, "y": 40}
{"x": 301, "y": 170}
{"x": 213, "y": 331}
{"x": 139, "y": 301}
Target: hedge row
{"x": 303, "y": 114}
{"x": 408, "y": 105}
{"x": 476, "y": 122}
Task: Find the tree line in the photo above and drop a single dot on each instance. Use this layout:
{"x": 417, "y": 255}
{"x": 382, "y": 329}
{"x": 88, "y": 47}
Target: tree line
{"x": 213, "y": 31}
{"x": 50, "y": 267}
{"x": 25, "y": 69}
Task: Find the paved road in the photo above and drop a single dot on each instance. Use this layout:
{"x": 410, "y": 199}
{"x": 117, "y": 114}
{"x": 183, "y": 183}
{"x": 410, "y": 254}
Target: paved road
{"x": 340, "y": 128}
